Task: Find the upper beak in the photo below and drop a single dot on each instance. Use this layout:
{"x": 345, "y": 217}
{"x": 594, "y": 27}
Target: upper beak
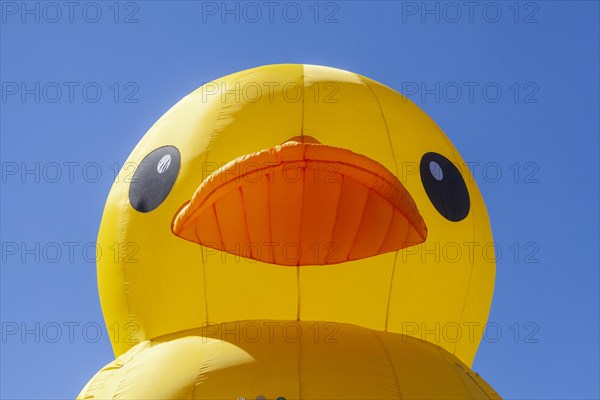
{"x": 302, "y": 203}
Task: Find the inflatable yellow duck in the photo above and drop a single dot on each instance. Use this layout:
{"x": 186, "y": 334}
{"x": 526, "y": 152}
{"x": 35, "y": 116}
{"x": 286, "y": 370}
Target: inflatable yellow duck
{"x": 294, "y": 232}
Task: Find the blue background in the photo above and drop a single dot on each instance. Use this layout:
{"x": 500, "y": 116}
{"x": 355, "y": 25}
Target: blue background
{"x": 546, "y": 301}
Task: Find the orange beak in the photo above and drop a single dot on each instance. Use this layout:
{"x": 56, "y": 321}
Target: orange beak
{"x": 302, "y": 203}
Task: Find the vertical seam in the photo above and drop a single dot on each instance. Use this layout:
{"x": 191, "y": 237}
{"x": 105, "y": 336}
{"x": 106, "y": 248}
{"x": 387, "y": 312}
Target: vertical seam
{"x": 387, "y": 129}
{"x": 462, "y": 313}
{"x": 246, "y": 222}
{"x": 457, "y": 369}
{"x": 130, "y": 314}
{"x": 300, "y": 236}
{"x": 301, "y": 199}
{"x": 298, "y": 293}
{"x": 387, "y": 230}
{"x": 478, "y": 385}
{"x": 457, "y": 157}
{"x": 389, "y": 358}
{"x": 214, "y": 209}
{"x": 208, "y": 148}
{"x": 196, "y": 382}
{"x": 222, "y": 244}
{"x": 362, "y": 216}
{"x": 387, "y": 308}
{"x": 203, "y": 274}
{"x": 300, "y": 366}
{"x": 337, "y": 208}
{"x": 268, "y": 187}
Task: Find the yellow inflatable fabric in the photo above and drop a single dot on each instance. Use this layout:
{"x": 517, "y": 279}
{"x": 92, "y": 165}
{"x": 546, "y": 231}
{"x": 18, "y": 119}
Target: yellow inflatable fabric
{"x": 294, "y": 194}
{"x": 286, "y": 360}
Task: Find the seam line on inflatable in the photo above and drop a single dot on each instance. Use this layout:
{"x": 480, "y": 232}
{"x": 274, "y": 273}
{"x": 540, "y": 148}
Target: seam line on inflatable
{"x": 387, "y": 129}
{"x": 241, "y": 190}
{"x": 387, "y": 308}
{"x": 387, "y": 230}
{"x": 360, "y": 222}
{"x": 268, "y": 189}
{"x": 208, "y": 148}
{"x": 392, "y": 366}
{"x": 130, "y": 314}
{"x": 302, "y": 76}
{"x": 298, "y": 311}
{"x": 203, "y": 275}
{"x": 462, "y": 313}
{"x": 337, "y": 208}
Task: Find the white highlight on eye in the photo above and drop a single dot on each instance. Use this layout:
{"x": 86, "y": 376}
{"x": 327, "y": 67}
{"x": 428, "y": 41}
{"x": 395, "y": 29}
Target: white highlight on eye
{"x": 436, "y": 170}
{"x": 164, "y": 163}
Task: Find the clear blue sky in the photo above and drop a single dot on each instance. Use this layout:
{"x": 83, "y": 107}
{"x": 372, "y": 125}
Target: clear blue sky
{"x": 541, "y": 133}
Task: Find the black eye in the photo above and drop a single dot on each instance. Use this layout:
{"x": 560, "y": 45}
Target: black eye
{"x": 445, "y": 187}
{"x": 154, "y": 178}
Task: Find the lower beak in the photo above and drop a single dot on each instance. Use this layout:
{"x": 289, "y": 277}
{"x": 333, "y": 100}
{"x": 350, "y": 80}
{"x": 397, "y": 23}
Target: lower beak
{"x": 302, "y": 203}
